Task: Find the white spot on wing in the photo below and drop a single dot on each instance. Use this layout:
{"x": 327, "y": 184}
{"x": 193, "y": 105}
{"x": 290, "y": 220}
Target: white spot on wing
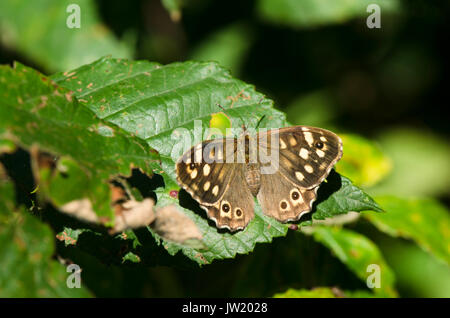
{"x": 206, "y": 169}
{"x": 309, "y": 169}
{"x": 304, "y": 153}
{"x": 292, "y": 141}
{"x": 215, "y": 190}
{"x": 309, "y": 138}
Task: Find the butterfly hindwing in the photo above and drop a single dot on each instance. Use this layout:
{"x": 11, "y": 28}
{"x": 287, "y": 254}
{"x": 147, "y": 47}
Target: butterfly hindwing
{"x": 281, "y": 199}
{"x": 305, "y": 158}
{"x": 235, "y": 209}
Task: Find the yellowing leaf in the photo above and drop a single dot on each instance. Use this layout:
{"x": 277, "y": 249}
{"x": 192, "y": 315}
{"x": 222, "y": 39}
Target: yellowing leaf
{"x": 362, "y": 162}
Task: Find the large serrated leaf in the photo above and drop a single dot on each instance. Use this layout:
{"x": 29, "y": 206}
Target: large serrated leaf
{"x": 338, "y": 196}
{"x": 36, "y": 113}
{"x": 154, "y": 101}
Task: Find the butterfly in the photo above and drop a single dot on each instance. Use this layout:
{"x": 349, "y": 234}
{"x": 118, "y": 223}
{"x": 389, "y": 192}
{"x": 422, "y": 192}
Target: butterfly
{"x": 282, "y": 168}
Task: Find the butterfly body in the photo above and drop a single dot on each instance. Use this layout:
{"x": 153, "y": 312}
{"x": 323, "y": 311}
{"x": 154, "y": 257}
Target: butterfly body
{"x": 282, "y": 168}
{"x": 253, "y": 177}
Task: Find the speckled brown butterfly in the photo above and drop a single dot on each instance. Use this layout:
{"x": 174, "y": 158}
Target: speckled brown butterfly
{"x": 224, "y": 174}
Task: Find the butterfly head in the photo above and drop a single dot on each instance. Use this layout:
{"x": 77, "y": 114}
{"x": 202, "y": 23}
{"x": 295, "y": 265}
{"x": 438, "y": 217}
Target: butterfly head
{"x": 244, "y": 128}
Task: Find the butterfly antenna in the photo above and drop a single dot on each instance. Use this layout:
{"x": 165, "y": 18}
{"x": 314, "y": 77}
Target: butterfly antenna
{"x": 260, "y": 120}
{"x": 242, "y": 120}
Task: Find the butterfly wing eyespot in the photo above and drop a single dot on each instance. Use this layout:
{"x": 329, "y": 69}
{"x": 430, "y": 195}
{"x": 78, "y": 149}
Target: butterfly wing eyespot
{"x": 225, "y": 207}
{"x": 284, "y": 205}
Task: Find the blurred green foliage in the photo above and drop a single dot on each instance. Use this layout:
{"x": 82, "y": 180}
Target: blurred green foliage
{"x": 420, "y": 160}
{"x": 310, "y": 13}
{"x": 38, "y": 31}
{"x": 358, "y": 253}
{"x": 228, "y": 46}
{"x": 383, "y": 90}
{"x": 26, "y": 249}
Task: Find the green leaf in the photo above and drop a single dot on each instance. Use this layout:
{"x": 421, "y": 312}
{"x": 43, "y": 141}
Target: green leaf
{"x": 39, "y": 31}
{"x": 153, "y": 102}
{"x": 131, "y": 257}
{"x": 324, "y": 292}
{"x": 360, "y": 294}
{"x": 358, "y": 253}
{"x": 425, "y": 221}
{"x": 363, "y": 162}
{"x": 319, "y": 292}
{"x": 36, "y": 112}
{"x": 69, "y": 236}
{"x": 26, "y": 251}
{"x": 338, "y": 196}
{"x": 418, "y": 273}
{"x": 313, "y": 13}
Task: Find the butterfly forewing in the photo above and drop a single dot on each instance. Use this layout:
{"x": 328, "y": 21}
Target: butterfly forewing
{"x": 211, "y": 174}
{"x": 306, "y": 154}
{"x": 203, "y": 171}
